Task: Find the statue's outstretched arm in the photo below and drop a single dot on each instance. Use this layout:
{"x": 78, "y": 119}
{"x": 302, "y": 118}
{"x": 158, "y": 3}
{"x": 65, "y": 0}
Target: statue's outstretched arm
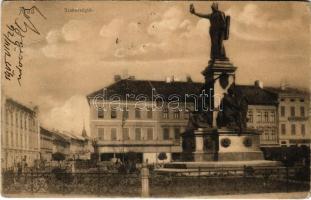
{"x": 207, "y": 16}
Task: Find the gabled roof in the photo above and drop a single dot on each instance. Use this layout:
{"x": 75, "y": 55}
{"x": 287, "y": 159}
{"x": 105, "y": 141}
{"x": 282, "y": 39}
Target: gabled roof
{"x": 255, "y": 95}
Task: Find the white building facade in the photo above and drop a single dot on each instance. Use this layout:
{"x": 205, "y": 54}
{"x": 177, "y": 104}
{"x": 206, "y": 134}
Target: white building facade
{"x": 20, "y": 138}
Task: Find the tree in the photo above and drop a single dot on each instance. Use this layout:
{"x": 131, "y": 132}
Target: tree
{"x": 95, "y": 155}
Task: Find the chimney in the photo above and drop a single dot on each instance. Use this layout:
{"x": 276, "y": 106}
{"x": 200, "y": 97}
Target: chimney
{"x": 117, "y": 77}
{"x": 284, "y": 85}
{"x": 168, "y": 79}
{"x": 259, "y": 84}
{"x": 189, "y": 79}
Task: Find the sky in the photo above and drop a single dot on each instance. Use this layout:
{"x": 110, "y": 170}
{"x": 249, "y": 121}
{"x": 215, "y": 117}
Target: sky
{"x": 78, "y": 53}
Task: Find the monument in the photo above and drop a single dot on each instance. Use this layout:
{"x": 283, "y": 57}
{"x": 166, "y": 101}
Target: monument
{"x": 220, "y": 133}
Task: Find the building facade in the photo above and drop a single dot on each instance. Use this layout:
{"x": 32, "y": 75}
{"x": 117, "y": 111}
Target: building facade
{"x": 20, "y": 134}
{"x": 149, "y": 131}
{"x": 46, "y": 144}
{"x": 294, "y": 120}
{"x": 139, "y": 124}
{"x": 262, "y": 112}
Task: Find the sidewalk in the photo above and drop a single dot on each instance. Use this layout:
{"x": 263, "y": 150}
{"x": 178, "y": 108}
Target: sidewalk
{"x": 290, "y": 195}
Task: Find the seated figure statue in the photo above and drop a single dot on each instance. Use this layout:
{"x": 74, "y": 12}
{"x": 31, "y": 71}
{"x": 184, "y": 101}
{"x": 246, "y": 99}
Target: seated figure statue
{"x": 234, "y": 110}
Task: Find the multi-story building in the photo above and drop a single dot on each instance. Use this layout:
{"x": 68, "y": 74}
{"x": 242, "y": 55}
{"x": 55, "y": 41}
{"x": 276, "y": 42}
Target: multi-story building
{"x": 46, "y": 144}
{"x": 20, "y": 138}
{"x": 262, "y": 112}
{"x": 135, "y": 117}
{"x": 293, "y": 111}
{"x": 123, "y": 117}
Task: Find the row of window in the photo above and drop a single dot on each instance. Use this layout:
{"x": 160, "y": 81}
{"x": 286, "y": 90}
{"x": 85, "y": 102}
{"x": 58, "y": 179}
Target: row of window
{"x": 292, "y": 111}
{"x": 268, "y": 133}
{"x": 261, "y": 116}
{"x": 293, "y": 129}
{"x": 149, "y": 134}
{"x": 293, "y": 100}
{"x": 138, "y": 114}
{"x": 20, "y": 121}
{"x": 28, "y": 141}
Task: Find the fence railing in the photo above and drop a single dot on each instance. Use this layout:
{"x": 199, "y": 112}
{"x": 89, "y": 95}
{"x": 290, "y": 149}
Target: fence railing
{"x": 155, "y": 183}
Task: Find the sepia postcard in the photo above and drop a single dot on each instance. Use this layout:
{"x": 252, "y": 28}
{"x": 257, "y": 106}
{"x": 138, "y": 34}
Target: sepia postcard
{"x": 166, "y": 99}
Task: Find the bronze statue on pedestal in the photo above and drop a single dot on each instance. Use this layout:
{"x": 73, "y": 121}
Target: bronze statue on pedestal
{"x": 219, "y": 30}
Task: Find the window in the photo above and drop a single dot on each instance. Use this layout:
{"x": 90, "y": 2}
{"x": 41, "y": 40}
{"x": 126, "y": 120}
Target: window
{"x": 302, "y": 100}
{"x": 126, "y": 134}
{"x": 25, "y": 122}
{"x": 113, "y": 113}
{"x": 176, "y": 114}
{"x": 113, "y": 134}
{"x": 292, "y": 100}
{"x": 283, "y": 129}
{"x": 7, "y": 116}
{"x": 137, "y": 113}
{"x": 165, "y": 113}
{"x": 137, "y": 133}
{"x": 282, "y": 99}
{"x": 177, "y": 133}
{"x": 100, "y": 133}
{"x": 21, "y": 121}
{"x": 186, "y": 114}
{"x": 250, "y": 116}
{"x": 149, "y": 113}
{"x": 292, "y": 111}
{"x": 272, "y": 116}
{"x": 11, "y": 119}
{"x": 166, "y": 133}
{"x": 125, "y": 113}
{"x": 266, "y": 116}
{"x": 16, "y": 119}
{"x": 293, "y": 129}
{"x": 149, "y": 133}
{"x": 303, "y": 129}
{"x": 259, "y": 119}
{"x": 302, "y": 111}
{"x": 282, "y": 111}
{"x": 100, "y": 113}
{"x": 273, "y": 134}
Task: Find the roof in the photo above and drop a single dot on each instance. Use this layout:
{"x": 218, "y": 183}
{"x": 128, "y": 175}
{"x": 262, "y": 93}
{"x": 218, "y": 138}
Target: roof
{"x": 148, "y": 88}
{"x": 20, "y": 105}
{"x": 255, "y": 95}
{"x": 288, "y": 91}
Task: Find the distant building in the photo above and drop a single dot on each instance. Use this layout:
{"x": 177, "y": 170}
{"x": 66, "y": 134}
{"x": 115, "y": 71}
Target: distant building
{"x": 20, "y": 138}
{"x": 61, "y": 143}
{"x": 72, "y": 146}
{"x": 294, "y": 116}
{"x": 46, "y": 144}
{"x": 262, "y": 112}
{"x": 148, "y": 133}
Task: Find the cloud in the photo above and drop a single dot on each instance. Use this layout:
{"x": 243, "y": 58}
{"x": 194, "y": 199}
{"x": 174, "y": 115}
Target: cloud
{"x": 75, "y": 109}
{"x": 74, "y": 30}
{"x": 254, "y": 23}
{"x": 113, "y": 29}
{"x": 54, "y": 36}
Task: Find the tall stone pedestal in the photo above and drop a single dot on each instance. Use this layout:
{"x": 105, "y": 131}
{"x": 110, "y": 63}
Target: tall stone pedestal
{"x": 227, "y": 145}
